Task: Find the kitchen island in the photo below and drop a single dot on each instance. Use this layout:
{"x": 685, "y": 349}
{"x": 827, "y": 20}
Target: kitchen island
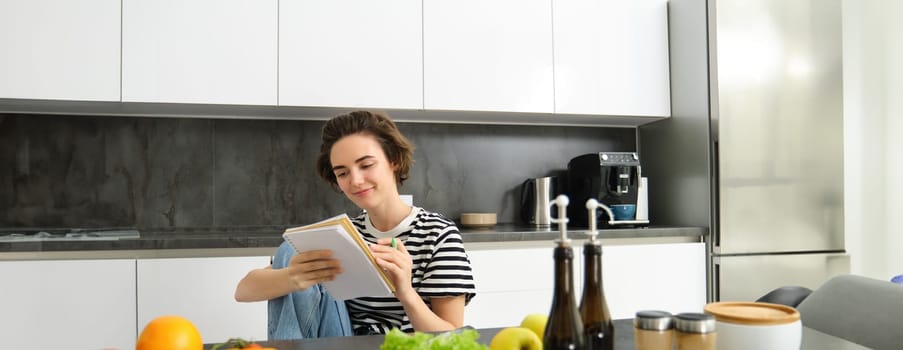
{"x": 812, "y": 340}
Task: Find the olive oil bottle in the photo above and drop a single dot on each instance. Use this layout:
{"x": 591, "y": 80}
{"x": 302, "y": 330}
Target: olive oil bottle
{"x": 564, "y": 329}
{"x": 597, "y": 324}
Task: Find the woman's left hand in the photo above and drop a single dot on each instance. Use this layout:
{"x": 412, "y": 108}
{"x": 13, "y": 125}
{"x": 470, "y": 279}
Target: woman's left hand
{"x": 395, "y": 261}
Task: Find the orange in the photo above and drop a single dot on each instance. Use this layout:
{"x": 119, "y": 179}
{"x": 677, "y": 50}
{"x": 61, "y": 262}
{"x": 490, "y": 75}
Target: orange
{"x": 169, "y": 333}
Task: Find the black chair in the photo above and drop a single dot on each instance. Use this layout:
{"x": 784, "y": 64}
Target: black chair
{"x": 787, "y": 295}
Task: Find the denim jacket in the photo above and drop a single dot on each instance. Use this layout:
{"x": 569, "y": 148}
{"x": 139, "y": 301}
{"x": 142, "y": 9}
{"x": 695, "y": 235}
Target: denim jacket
{"x": 310, "y": 313}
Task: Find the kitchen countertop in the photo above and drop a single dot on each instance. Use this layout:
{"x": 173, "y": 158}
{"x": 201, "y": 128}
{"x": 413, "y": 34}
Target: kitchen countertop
{"x": 264, "y": 239}
{"x": 508, "y": 232}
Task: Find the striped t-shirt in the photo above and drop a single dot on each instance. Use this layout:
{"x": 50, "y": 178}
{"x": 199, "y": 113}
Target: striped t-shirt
{"x": 440, "y": 268}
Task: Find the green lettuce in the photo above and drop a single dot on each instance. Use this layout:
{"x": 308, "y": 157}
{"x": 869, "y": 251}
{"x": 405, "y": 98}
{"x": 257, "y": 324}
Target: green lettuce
{"x": 465, "y": 339}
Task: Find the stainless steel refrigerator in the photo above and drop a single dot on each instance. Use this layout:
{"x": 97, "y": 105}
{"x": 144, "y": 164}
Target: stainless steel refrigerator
{"x": 754, "y": 147}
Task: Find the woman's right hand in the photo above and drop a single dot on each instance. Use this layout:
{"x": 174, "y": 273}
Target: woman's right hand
{"x": 308, "y": 268}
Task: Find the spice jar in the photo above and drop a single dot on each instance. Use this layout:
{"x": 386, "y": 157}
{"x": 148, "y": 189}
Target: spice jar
{"x": 653, "y": 330}
{"x": 695, "y": 331}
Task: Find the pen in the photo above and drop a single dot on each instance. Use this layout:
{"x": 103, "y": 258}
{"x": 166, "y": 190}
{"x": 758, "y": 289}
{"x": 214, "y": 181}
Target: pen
{"x": 394, "y": 243}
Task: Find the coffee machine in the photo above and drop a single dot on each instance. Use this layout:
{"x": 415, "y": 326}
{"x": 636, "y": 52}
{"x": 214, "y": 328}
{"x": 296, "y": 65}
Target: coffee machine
{"x": 615, "y": 180}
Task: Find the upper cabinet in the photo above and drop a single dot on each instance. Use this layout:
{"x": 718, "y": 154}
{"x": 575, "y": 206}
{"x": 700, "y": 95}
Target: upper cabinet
{"x": 488, "y": 55}
{"x": 60, "y": 49}
{"x": 351, "y": 53}
{"x": 611, "y": 57}
{"x": 567, "y": 62}
{"x": 199, "y": 51}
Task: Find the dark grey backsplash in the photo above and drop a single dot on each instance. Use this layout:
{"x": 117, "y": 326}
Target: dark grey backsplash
{"x": 92, "y": 172}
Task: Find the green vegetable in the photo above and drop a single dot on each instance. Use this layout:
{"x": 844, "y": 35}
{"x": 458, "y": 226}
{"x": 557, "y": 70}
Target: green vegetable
{"x": 465, "y": 339}
{"x": 232, "y": 343}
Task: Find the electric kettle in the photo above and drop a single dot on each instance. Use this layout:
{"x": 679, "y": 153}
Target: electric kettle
{"x": 536, "y": 196}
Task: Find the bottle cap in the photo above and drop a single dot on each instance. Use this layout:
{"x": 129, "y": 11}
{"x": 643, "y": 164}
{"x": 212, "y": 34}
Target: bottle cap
{"x": 692, "y": 322}
{"x": 653, "y": 320}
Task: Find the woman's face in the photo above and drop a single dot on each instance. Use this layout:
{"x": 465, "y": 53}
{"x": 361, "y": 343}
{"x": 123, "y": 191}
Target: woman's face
{"x": 362, "y": 170}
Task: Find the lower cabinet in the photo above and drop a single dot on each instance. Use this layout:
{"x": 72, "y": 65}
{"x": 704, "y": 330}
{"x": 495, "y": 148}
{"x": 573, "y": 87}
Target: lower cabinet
{"x": 512, "y": 283}
{"x": 669, "y": 277}
{"x": 96, "y": 304}
{"x": 105, "y": 303}
{"x": 68, "y": 304}
{"x": 201, "y": 290}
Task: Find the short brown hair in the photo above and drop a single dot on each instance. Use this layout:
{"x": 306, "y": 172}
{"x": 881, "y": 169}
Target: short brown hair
{"x": 399, "y": 151}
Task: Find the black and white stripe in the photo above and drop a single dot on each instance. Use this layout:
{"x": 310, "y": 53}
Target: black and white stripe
{"x": 440, "y": 269}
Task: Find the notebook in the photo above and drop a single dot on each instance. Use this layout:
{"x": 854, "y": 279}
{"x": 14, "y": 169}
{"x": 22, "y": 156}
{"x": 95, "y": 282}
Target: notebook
{"x": 361, "y": 276}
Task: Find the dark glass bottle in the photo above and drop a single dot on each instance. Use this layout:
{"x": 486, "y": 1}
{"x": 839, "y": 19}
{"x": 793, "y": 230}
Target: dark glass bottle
{"x": 597, "y": 323}
{"x": 564, "y": 329}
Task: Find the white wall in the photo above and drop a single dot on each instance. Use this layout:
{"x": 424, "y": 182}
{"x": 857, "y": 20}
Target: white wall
{"x": 873, "y": 136}
{"x": 894, "y": 133}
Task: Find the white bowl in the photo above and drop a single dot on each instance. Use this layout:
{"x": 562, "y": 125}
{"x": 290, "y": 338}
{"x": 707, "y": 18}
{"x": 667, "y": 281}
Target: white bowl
{"x": 756, "y": 326}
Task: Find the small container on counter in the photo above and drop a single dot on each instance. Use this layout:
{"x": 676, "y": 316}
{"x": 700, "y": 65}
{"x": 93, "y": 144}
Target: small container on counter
{"x": 653, "y": 330}
{"x": 755, "y": 325}
{"x": 695, "y": 331}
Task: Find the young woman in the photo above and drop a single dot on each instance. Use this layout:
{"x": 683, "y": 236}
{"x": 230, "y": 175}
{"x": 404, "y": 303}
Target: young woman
{"x": 365, "y": 156}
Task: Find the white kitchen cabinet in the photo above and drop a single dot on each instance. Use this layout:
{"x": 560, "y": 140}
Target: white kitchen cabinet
{"x": 514, "y": 282}
{"x": 60, "y": 49}
{"x": 511, "y": 283}
{"x": 201, "y": 290}
{"x": 68, "y": 304}
{"x": 488, "y": 55}
{"x": 351, "y": 53}
{"x": 200, "y": 51}
{"x": 611, "y": 57}
{"x": 668, "y": 277}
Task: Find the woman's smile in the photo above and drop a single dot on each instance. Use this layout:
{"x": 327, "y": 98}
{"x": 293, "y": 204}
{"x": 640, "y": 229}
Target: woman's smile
{"x": 363, "y": 192}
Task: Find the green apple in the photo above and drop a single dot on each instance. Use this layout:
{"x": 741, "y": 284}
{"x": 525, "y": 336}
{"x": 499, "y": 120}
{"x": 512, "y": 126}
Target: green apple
{"x": 536, "y": 323}
{"x": 515, "y": 338}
